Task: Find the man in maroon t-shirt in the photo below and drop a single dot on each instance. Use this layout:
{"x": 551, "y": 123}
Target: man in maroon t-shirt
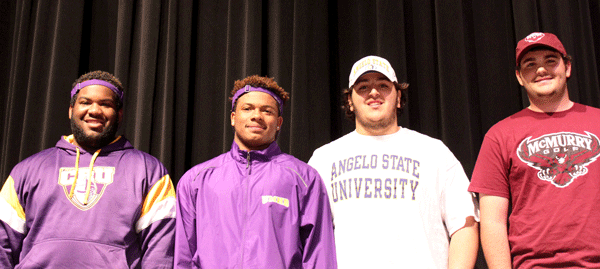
{"x": 541, "y": 161}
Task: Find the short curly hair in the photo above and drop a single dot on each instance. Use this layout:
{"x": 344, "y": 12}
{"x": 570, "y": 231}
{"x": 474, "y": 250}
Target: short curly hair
{"x": 402, "y": 87}
{"x": 102, "y": 75}
{"x": 262, "y": 82}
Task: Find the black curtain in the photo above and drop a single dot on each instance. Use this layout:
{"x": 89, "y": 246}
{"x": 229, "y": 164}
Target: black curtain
{"x": 178, "y": 60}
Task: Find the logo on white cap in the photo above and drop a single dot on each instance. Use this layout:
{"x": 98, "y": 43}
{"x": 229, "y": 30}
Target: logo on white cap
{"x": 371, "y": 63}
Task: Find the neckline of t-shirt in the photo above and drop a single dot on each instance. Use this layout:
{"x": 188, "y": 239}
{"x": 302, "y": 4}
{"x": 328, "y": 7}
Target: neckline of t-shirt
{"x": 384, "y": 137}
{"x": 574, "y": 107}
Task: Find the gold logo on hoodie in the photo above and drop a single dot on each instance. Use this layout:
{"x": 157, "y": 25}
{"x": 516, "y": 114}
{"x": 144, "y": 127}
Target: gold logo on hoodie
{"x": 102, "y": 177}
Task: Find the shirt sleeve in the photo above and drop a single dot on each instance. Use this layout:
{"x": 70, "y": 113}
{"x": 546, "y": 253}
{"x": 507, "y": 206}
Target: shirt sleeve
{"x": 316, "y": 162}
{"x": 490, "y": 175}
{"x": 316, "y": 229}
{"x": 185, "y": 232}
{"x": 457, "y": 202}
{"x": 156, "y": 226}
{"x": 12, "y": 225}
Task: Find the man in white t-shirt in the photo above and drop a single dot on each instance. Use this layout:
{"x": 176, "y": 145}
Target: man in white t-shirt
{"x": 399, "y": 198}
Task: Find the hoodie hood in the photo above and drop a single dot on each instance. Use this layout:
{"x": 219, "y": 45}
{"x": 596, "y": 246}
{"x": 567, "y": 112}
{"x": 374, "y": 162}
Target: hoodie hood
{"x": 120, "y": 143}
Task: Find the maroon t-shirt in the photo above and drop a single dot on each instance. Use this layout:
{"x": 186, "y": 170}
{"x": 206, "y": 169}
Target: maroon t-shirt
{"x": 546, "y": 165}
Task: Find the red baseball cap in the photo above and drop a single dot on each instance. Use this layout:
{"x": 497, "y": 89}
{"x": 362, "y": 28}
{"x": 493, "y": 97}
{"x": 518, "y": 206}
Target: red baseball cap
{"x": 539, "y": 39}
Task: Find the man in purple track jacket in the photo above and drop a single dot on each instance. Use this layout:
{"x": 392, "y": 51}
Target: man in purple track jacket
{"x": 254, "y": 206}
{"x": 92, "y": 201}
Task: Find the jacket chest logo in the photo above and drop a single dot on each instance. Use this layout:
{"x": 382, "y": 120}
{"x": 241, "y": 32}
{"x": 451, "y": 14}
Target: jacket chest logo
{"x": 560, "y": 157}
{"x": 98, "y": 181}
{"x": 275, "y": 199}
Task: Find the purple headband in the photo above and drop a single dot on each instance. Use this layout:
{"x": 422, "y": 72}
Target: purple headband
{"x": 106, "y": 84}
{"x": 248, "y": 89}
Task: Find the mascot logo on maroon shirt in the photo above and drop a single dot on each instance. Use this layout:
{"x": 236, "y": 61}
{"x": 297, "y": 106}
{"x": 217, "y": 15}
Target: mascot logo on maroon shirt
{"x": 560, "y": 157}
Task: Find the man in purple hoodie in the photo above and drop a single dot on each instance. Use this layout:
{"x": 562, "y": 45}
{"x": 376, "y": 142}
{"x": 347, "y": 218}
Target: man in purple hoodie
{"x": 254, "y": 206}
{"x": 92, "y": 201}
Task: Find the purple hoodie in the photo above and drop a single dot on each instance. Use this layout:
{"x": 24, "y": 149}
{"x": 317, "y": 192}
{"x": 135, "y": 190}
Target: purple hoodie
{"x": 262, "y": 209}
{"x": 53, "y": 216}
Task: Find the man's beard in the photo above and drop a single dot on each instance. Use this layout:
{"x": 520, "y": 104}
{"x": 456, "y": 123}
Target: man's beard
{"x": 378, "y": 125}
{"x": 94, "y": 142}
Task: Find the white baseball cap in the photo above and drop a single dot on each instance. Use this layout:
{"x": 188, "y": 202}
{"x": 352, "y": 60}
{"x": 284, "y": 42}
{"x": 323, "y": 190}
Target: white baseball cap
{"x": 371, "y": 63}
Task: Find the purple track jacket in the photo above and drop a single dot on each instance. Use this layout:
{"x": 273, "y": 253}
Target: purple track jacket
{"x": 67, "y": 208}
{"x": 257, "y": 209}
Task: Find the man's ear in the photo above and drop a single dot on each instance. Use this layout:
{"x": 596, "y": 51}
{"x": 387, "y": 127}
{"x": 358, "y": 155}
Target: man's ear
{"x": 279, "y": 122}
{"x": 70, "y": 111}
{"x": 519, "y": 78}
{"x": 350, "y": 105}
{"x": 232, "y": 118}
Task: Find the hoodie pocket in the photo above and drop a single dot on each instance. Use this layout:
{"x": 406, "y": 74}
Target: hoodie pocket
{"x": 73, "y": 254}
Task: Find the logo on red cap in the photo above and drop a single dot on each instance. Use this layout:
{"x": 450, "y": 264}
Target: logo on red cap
{"x": 534, "y": 37}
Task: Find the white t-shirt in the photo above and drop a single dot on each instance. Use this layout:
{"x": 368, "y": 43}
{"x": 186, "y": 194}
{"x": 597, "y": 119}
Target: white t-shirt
{"x": 396, "y": 199}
